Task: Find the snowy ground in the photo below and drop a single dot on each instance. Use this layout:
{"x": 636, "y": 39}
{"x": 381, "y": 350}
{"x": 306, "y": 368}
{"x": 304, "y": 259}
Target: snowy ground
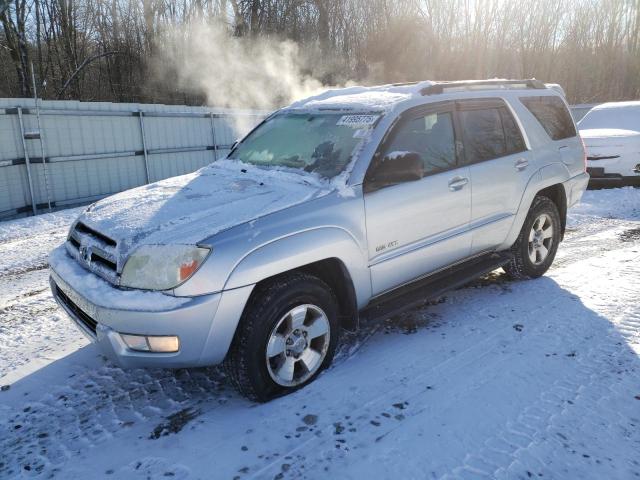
{"x": 536, "y": 379}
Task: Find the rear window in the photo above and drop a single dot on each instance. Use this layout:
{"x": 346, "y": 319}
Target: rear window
{"x": 552, "y": 114}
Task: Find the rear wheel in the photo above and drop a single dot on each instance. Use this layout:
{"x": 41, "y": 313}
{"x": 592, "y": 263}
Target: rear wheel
{"x": 286, "y": 337}
{"x": 537, "y": 243}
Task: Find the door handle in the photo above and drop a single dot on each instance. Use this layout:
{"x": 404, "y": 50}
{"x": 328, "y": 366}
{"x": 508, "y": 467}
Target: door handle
{"x": 521, "y": 164}
{"x": 456, "y": 183}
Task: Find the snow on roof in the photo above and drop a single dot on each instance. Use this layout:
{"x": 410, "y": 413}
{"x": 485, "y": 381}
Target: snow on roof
{"x": 383, "y": 97}
{"x": 615, "y": 105}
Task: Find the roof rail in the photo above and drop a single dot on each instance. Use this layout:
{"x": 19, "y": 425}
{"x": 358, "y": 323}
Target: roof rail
{"x": 403, "y": 84}
{"x": 442, "y": 87}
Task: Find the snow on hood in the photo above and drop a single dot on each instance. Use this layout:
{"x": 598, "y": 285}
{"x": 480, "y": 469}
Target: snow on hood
{"x": 608, "y": 133}
{"x": 189, "y": 208}
{"x": 610, "y": 141}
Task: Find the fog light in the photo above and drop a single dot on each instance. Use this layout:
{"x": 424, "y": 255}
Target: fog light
{"x": 136, "y": 342}
{"x": 143, "y": 343}
{"x": 163, "y": 344}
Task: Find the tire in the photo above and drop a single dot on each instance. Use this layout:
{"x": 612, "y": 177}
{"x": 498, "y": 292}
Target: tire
{"x": 269, "y": 323}
{"x": 532, "y": 237}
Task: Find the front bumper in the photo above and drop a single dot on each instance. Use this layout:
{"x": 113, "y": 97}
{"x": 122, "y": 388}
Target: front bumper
{"x": 205, "y": 324}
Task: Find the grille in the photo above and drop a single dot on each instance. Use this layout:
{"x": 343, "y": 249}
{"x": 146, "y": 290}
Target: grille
{"x": 86, "y": 320}
{"x": 82, "y": 228}
{"x": 95, "y": 251}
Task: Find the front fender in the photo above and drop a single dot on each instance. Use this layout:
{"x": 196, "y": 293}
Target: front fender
{"x": 301, "y": 249}
{"x": 547, "y": 176}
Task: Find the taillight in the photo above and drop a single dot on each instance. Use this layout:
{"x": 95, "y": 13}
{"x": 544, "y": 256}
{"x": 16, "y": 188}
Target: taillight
{"x": 584, "y": 153}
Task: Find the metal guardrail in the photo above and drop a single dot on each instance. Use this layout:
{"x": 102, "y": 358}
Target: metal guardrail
{"x": 70, "y": 153}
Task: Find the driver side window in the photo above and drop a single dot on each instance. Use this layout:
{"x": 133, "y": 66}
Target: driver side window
{"x": 431, "y": 136}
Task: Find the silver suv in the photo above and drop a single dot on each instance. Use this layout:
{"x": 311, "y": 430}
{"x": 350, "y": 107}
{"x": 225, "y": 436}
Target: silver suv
{"x": 357, "y": 203}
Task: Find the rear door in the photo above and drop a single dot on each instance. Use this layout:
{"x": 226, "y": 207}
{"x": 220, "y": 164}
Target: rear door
{"x": 416, "y": 227}
{"x": 500, "y": 167}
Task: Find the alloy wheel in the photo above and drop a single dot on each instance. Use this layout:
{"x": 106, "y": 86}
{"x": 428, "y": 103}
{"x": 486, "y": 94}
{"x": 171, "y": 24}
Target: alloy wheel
{"x": 540, "y": 239}
{"x": 298, "y": 345}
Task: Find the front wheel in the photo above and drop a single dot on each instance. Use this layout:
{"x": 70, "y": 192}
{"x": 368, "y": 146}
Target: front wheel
{"x": 537, "y": 243}
{"x": 286, "y": 337}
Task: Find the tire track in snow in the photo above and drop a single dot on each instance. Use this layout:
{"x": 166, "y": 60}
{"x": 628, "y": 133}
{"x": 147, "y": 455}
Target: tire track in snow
{"x": 542, "y": 426}
{"x": 76, "y": 416}
{"x": 569, "y": 385}
{"x": 96, "y": 406}
{"x": 590, "y": 241}
{"x": 415, "y": 392}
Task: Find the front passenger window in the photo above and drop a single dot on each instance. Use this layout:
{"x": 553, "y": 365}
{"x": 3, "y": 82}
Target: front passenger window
{"x": 430, "y": 136}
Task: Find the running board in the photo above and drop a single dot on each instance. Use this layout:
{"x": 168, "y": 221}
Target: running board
{"x": 419, "y": 292}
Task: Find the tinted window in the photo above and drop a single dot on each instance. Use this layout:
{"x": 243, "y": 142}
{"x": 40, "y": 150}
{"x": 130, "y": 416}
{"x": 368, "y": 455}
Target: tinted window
{"x": 483, "y": 134}
{"x": 552, "y": 114}
{"x": 431, "y": 137}
{"x": 514, "y": 140}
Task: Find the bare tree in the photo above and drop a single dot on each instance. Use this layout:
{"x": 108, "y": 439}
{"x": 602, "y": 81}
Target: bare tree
{"x": 13, "y": 16}
{"x": 591, "y": 47}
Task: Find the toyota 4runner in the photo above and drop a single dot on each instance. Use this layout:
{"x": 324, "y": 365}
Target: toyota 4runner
{"x": 356, "y": 203}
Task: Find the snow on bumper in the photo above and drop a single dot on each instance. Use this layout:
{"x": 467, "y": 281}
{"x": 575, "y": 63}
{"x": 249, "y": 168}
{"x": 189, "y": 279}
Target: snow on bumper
{"x": 204, "y": 324}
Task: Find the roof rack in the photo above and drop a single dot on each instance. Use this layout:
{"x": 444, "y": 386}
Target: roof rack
{"x": 442, "y": 87}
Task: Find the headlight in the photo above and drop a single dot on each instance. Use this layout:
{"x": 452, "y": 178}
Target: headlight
{"x": 161, "y": 267}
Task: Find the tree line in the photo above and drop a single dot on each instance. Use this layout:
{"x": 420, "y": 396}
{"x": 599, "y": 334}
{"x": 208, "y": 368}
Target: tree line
{"x": 113, "y": 50}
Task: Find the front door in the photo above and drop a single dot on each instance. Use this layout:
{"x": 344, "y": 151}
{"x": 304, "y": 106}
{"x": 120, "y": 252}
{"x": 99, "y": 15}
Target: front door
{"x": 416, "y": 227}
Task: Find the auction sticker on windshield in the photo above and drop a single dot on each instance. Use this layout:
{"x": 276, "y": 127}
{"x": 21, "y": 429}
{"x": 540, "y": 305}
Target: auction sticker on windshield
{"x": 358, "y": 121}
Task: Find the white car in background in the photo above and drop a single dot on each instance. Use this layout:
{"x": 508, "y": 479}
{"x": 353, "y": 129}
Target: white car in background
{"x": 611, "y": 134}
{"x": 579, "y": 110}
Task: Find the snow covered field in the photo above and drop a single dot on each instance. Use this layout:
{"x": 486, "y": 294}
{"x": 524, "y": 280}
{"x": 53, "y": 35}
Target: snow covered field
{"x": 536, "y": 379}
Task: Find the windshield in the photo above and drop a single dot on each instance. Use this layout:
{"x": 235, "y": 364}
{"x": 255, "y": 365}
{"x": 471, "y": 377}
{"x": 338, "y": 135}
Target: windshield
{"x": 321, "y": 143}
{"x": 625, "y": 118}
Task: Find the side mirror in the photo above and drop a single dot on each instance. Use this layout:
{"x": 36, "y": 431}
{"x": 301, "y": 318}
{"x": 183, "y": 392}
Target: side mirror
{"x": 394, "y": 168}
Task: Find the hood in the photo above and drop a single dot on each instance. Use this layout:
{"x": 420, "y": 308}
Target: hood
{"x": 190, "y": 208}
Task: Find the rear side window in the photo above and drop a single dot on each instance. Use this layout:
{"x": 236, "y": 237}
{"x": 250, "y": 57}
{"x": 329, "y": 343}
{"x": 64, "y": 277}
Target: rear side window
{"x": 483, "y": 134}
{"x": 515, "y": 142}
{"x": 490, "y": 133}
{"x": 552, "y": 114}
